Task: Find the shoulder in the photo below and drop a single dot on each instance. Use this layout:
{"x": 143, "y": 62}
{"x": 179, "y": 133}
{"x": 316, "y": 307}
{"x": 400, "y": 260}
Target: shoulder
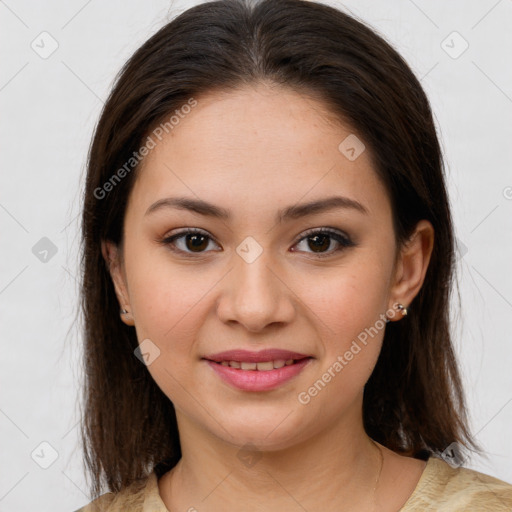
{"x": 135, "y": 497}
{"x": 443, "y": 487}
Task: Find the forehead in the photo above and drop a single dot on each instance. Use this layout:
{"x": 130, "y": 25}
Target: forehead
{"x": 261, "y": 146}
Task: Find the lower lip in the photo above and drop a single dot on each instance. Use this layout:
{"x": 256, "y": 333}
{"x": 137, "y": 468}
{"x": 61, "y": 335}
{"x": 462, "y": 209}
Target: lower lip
{"x": 256, "y": 380}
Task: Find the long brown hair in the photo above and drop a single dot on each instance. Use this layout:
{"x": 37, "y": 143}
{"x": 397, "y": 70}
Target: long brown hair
{"x": 413, "y": 402}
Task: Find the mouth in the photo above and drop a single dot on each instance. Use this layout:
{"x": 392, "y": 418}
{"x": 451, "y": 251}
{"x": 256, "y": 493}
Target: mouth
{"x": 261, "y": 366}
{"x": 258, "y": 376}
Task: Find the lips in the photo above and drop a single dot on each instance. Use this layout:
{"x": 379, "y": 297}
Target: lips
{"x": 258, "y": 380}
{"x": 266, "y": 355}
{"x": 264, "y": 366}
{"x": 257, "y": 371}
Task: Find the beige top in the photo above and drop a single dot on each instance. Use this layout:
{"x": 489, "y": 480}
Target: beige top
{"x": 441, "y": 488}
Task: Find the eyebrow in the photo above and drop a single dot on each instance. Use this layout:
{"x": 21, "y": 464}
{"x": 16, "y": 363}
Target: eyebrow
{"x": 291, "y": 212}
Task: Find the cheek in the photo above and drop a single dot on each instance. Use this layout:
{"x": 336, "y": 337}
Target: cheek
{"x": 348, "y": 299}
{"x": 348, "y": 308}
{"x": 168, "y": 301}
{"x": 165, "y": 297}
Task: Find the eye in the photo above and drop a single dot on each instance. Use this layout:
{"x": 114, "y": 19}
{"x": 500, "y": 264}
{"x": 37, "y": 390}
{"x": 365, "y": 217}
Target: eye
{"x": 321, "y": 239}
{"x": 196, "y": 241}
{"x": 191, "y": 241}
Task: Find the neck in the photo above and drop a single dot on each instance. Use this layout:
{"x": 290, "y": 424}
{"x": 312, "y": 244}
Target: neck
{"x": 334, "y": 469}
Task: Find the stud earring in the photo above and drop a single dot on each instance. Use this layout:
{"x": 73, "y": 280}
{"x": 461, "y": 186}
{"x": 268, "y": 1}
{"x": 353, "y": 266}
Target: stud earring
{"x": 402, "y": 308}
{"x": 124, "y": 312}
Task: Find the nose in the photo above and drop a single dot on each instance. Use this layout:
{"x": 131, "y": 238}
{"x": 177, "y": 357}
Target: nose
{"x": 255, "y": 295}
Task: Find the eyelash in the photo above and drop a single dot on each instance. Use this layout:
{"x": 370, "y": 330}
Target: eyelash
{"x": 343, "y": 240}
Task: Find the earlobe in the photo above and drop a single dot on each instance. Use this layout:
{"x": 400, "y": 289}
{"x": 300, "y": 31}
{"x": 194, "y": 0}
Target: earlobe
{"x": 112, "y": 258}
{"x": 127, "y": 317}
{"x": 412, "y": 266}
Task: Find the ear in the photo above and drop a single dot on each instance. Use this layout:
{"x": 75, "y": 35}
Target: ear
{"x": 112, "y": 255}
{"x": 411, "y": 266}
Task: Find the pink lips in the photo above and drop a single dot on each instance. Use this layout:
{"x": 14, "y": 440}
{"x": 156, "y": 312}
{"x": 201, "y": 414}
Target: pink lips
{"x": 256, "y": 380}
{"x": 269, "y": 354}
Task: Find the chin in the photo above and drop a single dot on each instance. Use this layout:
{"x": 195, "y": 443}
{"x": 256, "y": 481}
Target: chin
{"x": 272, "y": 432}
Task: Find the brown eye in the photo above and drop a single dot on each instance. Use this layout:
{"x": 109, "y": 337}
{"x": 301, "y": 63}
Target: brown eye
{"x": 196, "y": 242}
{"x": 320, "y": 240}
{"x": 189, "y": 241}
{"x": 319, "y": 243}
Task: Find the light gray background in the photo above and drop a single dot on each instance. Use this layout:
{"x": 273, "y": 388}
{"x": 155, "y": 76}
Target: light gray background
{"x": 49, "y": 109}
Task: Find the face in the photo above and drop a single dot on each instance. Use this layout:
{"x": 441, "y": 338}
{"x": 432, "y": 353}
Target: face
{"x": 267, "y": 274}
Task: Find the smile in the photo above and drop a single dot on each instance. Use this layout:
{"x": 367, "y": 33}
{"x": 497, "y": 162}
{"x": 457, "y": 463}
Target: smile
{"x": 258, "y": 376}
{"x": 260, "y": 366}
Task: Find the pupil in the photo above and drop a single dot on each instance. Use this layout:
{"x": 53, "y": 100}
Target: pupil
{"x": 324, "y": 238}
{"x": 196, "y": 244}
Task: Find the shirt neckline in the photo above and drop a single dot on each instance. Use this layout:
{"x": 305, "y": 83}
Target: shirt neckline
{"x": 429, "y": 472}
{"x": 153, "y": 501}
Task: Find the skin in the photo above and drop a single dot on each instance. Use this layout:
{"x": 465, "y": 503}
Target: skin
{"x": 254, "y": 151}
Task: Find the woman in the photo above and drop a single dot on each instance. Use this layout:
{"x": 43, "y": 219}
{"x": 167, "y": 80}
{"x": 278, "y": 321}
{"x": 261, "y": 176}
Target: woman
{"x": 268, "y": 255}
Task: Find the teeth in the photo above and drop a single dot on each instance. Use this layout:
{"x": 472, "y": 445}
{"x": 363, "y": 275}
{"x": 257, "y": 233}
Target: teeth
{"x": 262, "y": 366}
{"x": 265, "y": 366}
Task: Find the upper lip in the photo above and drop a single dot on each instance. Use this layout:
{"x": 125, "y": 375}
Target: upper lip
{"x": 269, "y": 354}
